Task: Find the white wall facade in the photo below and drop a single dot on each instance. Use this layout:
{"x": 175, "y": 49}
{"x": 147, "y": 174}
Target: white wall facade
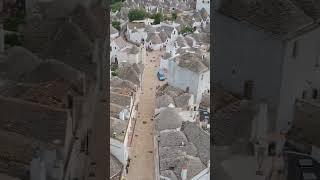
{"x": 298, "y": 73}
{"x": 137, "y": 36}
{"x": 119, "y": 150}
{"x": 171, "y": 48}
{"x": 153, "y": 46}
{"x": 164, "y": 65}
{"x": 183, "y": 78}
{"x": 203, "y": 4}
{"x": 114, "y": 49}
{"x": 203, "y": 86}
{"x": 124, "y": 57}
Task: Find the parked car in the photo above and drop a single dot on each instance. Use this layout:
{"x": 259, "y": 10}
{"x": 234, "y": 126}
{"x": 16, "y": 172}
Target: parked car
{"x": 161, "y": 76}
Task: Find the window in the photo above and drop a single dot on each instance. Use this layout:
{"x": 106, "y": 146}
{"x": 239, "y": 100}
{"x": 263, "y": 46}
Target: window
{"x": 202, "y": 77}
{"x": 202, "y": 1}
{"x": 295, "y": 49}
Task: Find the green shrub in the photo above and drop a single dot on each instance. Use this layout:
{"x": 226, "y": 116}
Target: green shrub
{"x": 114, "y": 73}
{"x": 136, "y": 14}
{"x": 116, "y": 24}
{"x": 187, "y": 30}
{"x": 174, "y": 16}
{"x": 116, "y": 6}
{"x": 158, "y": 17}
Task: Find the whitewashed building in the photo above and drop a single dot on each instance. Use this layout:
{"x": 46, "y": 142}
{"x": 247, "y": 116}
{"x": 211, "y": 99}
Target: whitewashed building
{"x": 136, "y": 32}
{"x": 203, "y": 4}
{"x": 189, "y": 72}
{"x": 154, "y": 41}
{"x": 114, "y": 33}
{"x": 116, "y": 46}
{"x": 122, "y": 112}
{"x": 131, "y": 55}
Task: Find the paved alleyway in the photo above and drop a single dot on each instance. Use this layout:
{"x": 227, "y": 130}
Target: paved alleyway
{"x": 141, "y": 152}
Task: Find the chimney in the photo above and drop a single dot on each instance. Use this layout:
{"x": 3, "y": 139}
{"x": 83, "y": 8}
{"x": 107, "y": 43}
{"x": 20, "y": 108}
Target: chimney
{"x": 2, "y": 43}
{"x": 184, "y": 172}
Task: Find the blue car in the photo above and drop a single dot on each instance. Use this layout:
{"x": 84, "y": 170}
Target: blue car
{"x": 161, "y": 76}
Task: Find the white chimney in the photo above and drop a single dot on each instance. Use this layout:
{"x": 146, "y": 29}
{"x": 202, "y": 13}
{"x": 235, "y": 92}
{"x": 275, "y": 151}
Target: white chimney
{"x": 184, "y": 173}
{"x": 1, "y": 39}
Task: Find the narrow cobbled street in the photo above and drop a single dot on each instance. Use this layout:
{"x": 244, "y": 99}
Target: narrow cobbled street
{"x": 141, "y": 152}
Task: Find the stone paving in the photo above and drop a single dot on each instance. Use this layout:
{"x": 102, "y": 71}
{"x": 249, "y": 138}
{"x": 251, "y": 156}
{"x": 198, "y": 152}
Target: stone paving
{"x": 141, "y": 150}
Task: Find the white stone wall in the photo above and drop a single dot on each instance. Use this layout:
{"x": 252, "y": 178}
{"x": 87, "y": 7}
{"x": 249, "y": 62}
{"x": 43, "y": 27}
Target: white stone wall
{"x": 119, "y": 150}
{"x": 153, "y": 46}
{"x": 204, "y": 85}
{"x": 170, "y": 48}
{"x": 124, "y": 57}
{"x": 203, "y": 4}
{"x": 114, "y": 49}
{"x": 183, "y": 78}
{"x": 137, "y": 36}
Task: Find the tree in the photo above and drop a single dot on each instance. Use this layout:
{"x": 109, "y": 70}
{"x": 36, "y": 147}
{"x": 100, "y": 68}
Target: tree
{"x": 136, "y": 14}
{"x": 116, "y": 6}
{"x": 116, "y": 24}
{"x": 187, "y": 30}
{"x": 158, "y": 17}
{"x": 174, "y": 16}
